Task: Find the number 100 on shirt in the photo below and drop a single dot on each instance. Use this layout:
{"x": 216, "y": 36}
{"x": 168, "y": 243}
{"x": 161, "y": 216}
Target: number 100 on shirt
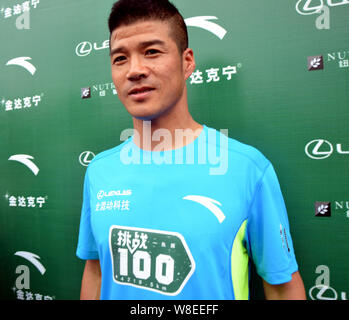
{"x": 150, "y": 259}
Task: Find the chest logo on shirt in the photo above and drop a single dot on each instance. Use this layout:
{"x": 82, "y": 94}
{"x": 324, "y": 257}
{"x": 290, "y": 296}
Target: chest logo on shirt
{"x": 210, "y": 204}
{"x": 150, "y": 259}
{"x": 112, "y": 201}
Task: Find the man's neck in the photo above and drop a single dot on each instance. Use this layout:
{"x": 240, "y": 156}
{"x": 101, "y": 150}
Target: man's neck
{"x": 164, "y": 133}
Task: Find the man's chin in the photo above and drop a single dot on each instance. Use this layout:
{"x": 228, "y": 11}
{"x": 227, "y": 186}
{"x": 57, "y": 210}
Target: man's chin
{"x": 145, "y": 115}
{"x": 141, "y": 112}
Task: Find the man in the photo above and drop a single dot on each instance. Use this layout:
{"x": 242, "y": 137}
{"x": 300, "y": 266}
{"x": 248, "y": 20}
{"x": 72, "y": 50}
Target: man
{"x": 162, "y": 223}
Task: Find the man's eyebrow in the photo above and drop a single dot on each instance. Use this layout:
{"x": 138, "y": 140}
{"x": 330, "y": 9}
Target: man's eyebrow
{"x": 116, "y": 50}
{"x": 141, "y": 45}
{"x": 151, "y": 43}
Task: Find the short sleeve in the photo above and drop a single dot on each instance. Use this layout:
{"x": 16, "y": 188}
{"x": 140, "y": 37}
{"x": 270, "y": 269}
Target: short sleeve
{"x": 269, "y": 241}
{"x": 86, "y": 248}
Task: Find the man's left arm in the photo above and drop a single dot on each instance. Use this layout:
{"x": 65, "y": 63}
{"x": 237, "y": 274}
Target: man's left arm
{"x": 292, "y": 290}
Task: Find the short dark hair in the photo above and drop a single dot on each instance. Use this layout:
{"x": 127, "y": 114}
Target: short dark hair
{"x": 126, "y": 12}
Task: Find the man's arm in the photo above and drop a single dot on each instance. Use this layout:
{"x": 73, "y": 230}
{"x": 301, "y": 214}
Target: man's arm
{"x": 91, "y": 281}
{"x": 293, "y": 290}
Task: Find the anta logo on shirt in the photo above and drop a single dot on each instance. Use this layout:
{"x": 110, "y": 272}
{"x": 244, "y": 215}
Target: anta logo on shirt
{"x": 210, "y": 204}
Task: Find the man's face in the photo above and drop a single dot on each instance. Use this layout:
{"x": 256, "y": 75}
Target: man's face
{"x": 148, "y": 71}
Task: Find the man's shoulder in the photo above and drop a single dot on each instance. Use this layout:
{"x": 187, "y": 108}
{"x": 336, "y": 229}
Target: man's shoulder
{"x": 249, "y": 152}
{"x": 240, "y": 150}
{"x": 107, "y": 155}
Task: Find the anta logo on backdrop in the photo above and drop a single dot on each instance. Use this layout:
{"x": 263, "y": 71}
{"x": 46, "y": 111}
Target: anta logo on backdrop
{"x": 22, "y": 103}
{"x": 24, "y": 63}
{"x": 27, "y": 161}
{"x": 22, "y": 287}
{"x": 84, "y": 48}
{"x": 319, "y": 149}
{"x": 26, "y": 201}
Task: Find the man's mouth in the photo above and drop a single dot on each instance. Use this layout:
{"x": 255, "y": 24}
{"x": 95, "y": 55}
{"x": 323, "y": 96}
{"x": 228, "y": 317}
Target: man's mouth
{"x": 139, "y": 91}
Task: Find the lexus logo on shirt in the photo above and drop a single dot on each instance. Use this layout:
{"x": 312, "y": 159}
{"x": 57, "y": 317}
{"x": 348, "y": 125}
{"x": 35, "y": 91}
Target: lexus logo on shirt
{"x": 321, "y": 149}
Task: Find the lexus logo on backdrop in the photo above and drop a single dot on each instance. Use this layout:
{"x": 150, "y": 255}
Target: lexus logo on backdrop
{"x": 321, "y": 149}
{"x": 85, "y": 48}
{"x": 86, "y": 157}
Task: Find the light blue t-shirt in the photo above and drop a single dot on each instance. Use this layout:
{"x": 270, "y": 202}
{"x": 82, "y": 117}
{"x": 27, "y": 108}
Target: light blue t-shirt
{"x": 184, "y": 223}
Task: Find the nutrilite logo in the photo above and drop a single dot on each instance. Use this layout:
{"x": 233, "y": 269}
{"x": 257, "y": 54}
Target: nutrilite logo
{"x": 98, "y": 90}
{"x": 340, "y": 57}
{"x": 315, "y": 63}
{"x": 85, "y": 93}
{"x": 323, "y": 209}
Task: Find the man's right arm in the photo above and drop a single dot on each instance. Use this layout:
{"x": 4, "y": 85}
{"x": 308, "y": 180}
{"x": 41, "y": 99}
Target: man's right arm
{"x": 91, "y": 281}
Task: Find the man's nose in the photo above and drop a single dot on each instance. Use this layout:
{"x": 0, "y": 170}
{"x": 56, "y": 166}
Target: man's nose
{"x": 137, "y": 70}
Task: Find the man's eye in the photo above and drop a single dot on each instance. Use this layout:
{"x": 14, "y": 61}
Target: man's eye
{"x": 119, "y": 59}
{"x": 151, "y": 52}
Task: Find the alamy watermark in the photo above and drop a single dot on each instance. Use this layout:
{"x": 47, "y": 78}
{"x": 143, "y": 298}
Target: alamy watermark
{"x": 23, "y": 21}
{"x": 321, "y": 8}
{"x": 323, "y": 20}
{"x": 209, "y": 147}
{"x": 19, "y": 11}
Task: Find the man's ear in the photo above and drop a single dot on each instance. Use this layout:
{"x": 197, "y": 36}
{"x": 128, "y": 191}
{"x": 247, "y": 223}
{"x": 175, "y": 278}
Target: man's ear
{"x": 188, "y": 62}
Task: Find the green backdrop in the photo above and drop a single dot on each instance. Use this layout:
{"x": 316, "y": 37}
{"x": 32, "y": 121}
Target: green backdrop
{"x": 274, "y": 73}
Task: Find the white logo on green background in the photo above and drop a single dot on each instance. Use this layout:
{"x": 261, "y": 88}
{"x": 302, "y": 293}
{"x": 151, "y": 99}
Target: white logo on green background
{"x": 24, "y": 63}
{"x": 150, "y": 259}
{"x": 26, "y": 160}
{"x": 204, "y": 22}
